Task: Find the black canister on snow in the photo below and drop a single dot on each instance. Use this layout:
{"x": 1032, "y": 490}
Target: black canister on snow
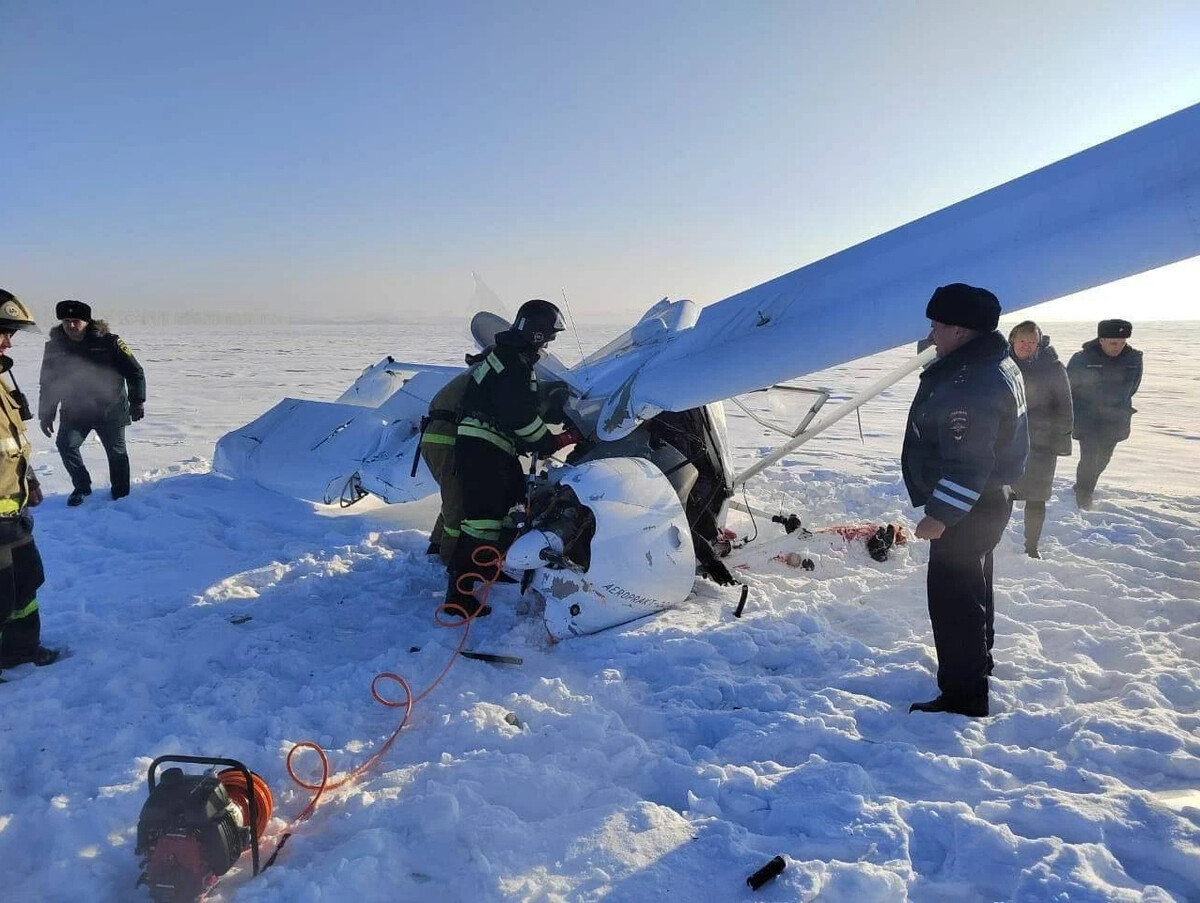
{"x": 766, "y": 873}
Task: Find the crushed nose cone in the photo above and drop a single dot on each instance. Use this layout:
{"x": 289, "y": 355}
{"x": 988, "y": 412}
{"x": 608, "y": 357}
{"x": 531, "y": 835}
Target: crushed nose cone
{"x": 640, "y": 559}
{"x": 526, "y": 552}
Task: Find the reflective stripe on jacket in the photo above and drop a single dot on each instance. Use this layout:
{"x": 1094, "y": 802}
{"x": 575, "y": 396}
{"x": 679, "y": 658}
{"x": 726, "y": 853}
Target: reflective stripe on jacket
{"x": 501, "y": 404}
{"x": 15, "y": 455}
{"x": 444, "y": 411}
{"x": 967, "y": 431}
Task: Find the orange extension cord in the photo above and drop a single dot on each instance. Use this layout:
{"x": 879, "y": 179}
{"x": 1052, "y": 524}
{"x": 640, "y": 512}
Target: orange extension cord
{"x": 484, "y": 557}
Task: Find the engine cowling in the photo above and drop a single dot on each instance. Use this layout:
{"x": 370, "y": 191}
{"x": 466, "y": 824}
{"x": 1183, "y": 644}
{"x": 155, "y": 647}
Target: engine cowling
{"x": 634, "y": 559}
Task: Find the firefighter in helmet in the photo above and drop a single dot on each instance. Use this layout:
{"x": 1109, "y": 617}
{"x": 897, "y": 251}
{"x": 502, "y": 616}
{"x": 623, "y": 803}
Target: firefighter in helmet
{"x": 21, "y": 571}
{"x": 498, "y": 419}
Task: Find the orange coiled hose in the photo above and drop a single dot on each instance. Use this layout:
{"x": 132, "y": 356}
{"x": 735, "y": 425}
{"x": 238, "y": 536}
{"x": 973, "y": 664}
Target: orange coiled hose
{"x": 485, "y": 557}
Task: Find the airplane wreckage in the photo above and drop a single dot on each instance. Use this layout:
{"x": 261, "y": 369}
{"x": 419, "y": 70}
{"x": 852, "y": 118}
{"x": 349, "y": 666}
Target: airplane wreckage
{"x": 620, "y": 531}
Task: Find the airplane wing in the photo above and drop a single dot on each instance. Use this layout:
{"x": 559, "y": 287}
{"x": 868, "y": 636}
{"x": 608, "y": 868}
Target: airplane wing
{"x": 377, "y": 383}
{"x": 326, "y": 452}
{"x": 1122, "y": 207}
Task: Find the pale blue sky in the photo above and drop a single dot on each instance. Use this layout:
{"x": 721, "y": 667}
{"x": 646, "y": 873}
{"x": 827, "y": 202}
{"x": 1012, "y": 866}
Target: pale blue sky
{"x": 365, "y": 157}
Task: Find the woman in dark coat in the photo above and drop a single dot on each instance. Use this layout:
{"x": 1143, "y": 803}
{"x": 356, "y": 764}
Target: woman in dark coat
{"x": 1048, "y": 396}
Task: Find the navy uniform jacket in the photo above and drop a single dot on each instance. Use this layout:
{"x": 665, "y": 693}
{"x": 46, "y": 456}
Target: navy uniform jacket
{"x": 967, "y": 430}
{"x": 1103, "y": 388}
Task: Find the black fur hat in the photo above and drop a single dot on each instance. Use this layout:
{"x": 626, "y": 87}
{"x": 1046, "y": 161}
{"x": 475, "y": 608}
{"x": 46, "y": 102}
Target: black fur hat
{"x": 72, "y": 310}
{"x": 1114, "y": 329}
{"x": 959, "y": 304}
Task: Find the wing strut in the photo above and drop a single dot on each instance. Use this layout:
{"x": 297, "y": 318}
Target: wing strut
{"x": 842, "y": 410}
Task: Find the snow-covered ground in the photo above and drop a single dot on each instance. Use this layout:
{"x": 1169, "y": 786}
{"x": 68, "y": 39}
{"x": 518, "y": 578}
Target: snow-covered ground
{"x": 665, "y": 759}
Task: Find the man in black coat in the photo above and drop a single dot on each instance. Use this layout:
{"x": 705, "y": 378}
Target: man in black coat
{"x": 964, "y": 445}
{"x": 1105, "y": 375}
{"x": 99, "y": 385}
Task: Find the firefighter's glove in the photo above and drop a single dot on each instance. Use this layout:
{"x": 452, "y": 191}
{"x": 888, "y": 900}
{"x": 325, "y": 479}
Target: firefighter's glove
{"x": 569, "y": 436}
{"x": 47, "y": 428}
{"x": 137, "y": 411}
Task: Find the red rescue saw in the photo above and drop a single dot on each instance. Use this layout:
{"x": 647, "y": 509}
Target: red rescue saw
{"x": 194, "y": 827}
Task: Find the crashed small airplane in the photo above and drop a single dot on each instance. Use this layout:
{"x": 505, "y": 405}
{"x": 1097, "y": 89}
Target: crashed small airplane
{"x": 620, "y": 531}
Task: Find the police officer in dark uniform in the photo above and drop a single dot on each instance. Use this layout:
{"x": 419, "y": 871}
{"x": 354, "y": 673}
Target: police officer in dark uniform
{"x": 1104, "y": 375}
{"x": 85, "y": 370}
{"x": 965, "y": 444}
{"x": 499, "y": 419}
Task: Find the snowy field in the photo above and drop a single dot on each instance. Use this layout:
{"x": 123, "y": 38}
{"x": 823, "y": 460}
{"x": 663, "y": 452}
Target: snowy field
{"x": 666, "y": 759}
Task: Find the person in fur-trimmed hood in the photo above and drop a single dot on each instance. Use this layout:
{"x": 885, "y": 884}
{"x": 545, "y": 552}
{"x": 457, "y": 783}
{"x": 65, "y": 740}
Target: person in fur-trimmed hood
{"x": 92, "y": 381}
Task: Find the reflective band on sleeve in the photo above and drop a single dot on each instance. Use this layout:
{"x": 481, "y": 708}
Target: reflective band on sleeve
{"x": 450, "y": 531}
{"x": 534, "y": 431}
{"x": 951, "y": 486}
{"x": 9, "y": 507}
{"x": 951, "y": 500}
{"x": 495, "y": 362}
{"x": 24, "y": 612}
{"x": 437, "y": 439}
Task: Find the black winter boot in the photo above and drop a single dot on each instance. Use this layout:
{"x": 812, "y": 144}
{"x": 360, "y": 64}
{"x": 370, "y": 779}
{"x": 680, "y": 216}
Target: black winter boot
{"x": 458, "y": 604}
{"x": 40, "y": 656}
{"x": 977, "y": 708}
{"x": 457, "y": 601}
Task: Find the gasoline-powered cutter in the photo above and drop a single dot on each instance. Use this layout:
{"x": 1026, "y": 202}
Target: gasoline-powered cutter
{"x": 194, "y": 827}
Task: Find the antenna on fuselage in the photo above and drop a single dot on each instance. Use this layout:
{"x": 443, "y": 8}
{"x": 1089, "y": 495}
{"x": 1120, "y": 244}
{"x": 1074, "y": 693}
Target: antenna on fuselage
{"x": 578, "y": 341}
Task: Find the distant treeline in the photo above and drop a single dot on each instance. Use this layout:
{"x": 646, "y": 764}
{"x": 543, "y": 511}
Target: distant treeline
{"x": 118, "y": 317}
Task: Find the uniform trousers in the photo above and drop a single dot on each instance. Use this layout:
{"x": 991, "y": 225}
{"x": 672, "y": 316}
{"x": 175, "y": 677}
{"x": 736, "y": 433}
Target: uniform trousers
{"x": 21, "y": 575}
{"x": 439, "y": 457}
{"x": 1094, "y": 455}
{"x": 111, "y": 433}
{"x": 961, "y": 605}
{"x": 491, "y": 482}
